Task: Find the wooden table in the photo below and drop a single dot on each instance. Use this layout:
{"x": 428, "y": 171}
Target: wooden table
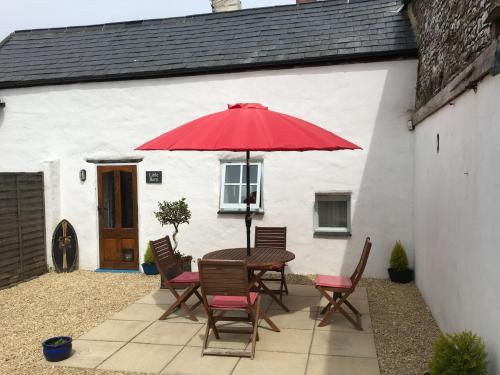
{"x": 261, "y": 259}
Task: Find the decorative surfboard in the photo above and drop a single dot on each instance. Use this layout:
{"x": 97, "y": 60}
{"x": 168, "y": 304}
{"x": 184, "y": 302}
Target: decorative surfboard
{"x": 64, "y": 247}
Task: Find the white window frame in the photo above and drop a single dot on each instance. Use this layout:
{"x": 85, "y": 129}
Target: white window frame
{"x": 332, "y": 197}
{"x": 254, "y": 207}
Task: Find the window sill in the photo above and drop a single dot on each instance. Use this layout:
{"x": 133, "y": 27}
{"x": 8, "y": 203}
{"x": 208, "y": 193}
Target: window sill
{"x": 329, "y": 233}
{"x": 240, "y": 212}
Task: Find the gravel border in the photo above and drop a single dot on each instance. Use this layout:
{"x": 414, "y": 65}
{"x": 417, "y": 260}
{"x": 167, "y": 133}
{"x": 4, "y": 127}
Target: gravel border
{"x": 72, "y": 304}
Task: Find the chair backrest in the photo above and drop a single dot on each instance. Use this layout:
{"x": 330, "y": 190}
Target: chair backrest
{"x": 270, "y": 237}
{"x": 223, "y": 277}
{"x": 358, "y": 272}
{"x": 164, "y": 256}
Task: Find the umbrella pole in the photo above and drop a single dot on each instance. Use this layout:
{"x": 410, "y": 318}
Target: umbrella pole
{"x": 248, "y": 216}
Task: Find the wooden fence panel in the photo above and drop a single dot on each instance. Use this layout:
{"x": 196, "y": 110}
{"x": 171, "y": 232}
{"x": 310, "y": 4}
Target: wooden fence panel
{"x": 22, "y": 227}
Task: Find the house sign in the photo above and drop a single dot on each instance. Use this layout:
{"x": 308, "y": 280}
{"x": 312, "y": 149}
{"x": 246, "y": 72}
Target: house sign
{"x": 153, "y": 177}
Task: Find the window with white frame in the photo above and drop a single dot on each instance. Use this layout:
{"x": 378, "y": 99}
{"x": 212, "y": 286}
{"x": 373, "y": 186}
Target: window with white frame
{"x": 332, "y": 213}
{"x": 233, "y": 196}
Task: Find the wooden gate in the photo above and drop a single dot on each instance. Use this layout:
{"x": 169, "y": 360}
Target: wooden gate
{"x": 22, "y": 227}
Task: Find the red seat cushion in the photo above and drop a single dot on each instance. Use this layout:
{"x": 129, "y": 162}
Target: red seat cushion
{"x": 342, "y": 282}
{"x": 186, "y": 278}
{"x": 233, "y": 302}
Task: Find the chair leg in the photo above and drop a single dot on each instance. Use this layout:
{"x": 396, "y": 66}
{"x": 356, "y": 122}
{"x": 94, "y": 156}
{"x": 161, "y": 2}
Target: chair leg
{"x": 268, "y": 320}
{"x": 336, "y": 302}
{"x": 211, "y": 321}
{"x": 180, "y": 302}
{"x": 283, "y": 277}
{"x": 353, "y": 309}
{"x": 255, "y": 323}
{"x": 207, "y": 333}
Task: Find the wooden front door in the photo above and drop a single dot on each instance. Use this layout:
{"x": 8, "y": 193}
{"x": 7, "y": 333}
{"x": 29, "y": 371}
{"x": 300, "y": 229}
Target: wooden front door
{"x": 117, "y": 191}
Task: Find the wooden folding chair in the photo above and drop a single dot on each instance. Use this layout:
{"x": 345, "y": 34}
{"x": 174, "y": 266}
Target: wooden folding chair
{"x": 189, "y": 281}
{"x": 274, "y": 237}
{"x": 341, "y": 288}
{"x": 225, "y": 287}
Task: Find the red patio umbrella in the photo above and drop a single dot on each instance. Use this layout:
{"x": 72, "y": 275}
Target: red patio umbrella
{"x": 248, "y": 127}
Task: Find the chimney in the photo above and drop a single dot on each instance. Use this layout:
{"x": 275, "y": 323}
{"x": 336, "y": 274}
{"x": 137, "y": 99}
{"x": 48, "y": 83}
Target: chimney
{"x": 225, "y": 5}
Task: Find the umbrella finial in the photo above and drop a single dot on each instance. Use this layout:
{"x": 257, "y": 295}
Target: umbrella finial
{"x": 246, "y": 106}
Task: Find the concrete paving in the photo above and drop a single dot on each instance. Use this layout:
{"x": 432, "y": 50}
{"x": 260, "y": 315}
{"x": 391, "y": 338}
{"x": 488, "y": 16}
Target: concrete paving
{"x": 135, "y": 340}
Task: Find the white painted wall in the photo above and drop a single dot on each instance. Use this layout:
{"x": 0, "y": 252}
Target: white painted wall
{"x": 366, "y": 103}
{"x": 457, "y": 221}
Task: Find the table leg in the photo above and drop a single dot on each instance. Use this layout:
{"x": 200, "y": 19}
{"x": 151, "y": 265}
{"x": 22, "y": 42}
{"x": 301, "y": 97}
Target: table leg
{"x": 256, "y": 279}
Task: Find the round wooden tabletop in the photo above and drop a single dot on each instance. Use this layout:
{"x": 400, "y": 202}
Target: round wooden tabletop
{"x": 259, "y": 257}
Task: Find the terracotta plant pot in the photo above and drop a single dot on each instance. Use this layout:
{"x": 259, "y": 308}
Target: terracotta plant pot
{"x": 403, "y": 277}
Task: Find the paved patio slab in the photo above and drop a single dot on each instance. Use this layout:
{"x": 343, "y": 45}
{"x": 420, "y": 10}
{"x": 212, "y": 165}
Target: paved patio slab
{"x": 323, "y": 365}
{"x": 141, "y": 358}
{"x": 272, "y": 363}
{"x": 168, "y": 333}
{"x": 295, "y": 303}
{"x": 140, "y": 311}
{"x": 90, "y": 354}
{"x": 293, "y": 319}
{"x": 115, "y": 330}
{"x": 343, "y": 344}
{"x": 288, "y": 340}
{"x": 190, "y": 362}
{"x": 134, "y": 340}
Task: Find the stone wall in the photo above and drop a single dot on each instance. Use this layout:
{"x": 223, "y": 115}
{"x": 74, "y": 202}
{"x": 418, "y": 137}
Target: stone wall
{"x": 450, "y": 35}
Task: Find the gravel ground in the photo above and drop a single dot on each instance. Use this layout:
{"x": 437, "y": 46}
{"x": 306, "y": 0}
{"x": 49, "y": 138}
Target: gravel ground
{"x": 72, "y": 304}
{"x": 60, "y": 304}
{"x": 403, "y": 325}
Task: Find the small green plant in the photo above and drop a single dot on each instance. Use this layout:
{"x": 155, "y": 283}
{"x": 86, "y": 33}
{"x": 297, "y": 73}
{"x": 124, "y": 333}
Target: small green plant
{"x": 399, "y": 260}
{"x": 173, "y": 213}
{"x": 59, "y": 341}
{"x": 148, "y": 255}
{"x": 460, "y": 353}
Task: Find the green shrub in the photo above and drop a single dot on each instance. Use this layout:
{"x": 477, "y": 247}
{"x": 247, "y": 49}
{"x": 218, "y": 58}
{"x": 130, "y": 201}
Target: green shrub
{"x": 148, "y": 255}
{"x": 459, "y": 354}
{"x": 399, "y": 260}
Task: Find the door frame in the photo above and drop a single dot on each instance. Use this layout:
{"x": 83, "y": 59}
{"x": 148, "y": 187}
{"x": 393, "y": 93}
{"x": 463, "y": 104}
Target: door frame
{"x": 101, "y": 169}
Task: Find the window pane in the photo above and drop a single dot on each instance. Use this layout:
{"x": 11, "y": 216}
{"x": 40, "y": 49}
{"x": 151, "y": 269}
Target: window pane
{"x": 232, "y": 174}
{"x": 126, "y": 200}
{"x": 253, "y": 194}
{"x": 253, "y": 174}
{"x": 108, "y": 197}
{"x": 332, "y": 214}
{"x": 231, "y": 193}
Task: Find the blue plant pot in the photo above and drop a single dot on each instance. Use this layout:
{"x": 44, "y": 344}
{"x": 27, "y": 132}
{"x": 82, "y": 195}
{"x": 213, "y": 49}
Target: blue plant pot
{"x": 55, "y": 353}
{"x": 149, "y": 268}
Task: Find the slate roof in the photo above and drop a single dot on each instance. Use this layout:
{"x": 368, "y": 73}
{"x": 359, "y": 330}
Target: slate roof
{"x": 321, "y": 32}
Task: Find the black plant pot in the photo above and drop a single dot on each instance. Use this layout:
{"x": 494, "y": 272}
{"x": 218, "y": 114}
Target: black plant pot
{"x": 149, "y": 268}
{"x": 403, "y": 277}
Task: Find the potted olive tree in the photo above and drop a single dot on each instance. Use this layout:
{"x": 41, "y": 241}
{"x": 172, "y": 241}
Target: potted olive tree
{"x": 149, "y": 266}
{"x": 399, "y": 271}
{"x": 459, "y": 353}
{"x": 175, "y": 213}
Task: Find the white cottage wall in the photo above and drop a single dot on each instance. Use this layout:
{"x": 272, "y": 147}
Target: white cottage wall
{"x": 367, "y": 103}
{"x": 457, "y": 214}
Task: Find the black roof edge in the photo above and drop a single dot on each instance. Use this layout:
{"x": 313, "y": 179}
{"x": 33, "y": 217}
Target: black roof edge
{"x": 320, "y": 61}
{"x": 5, "y": 40}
